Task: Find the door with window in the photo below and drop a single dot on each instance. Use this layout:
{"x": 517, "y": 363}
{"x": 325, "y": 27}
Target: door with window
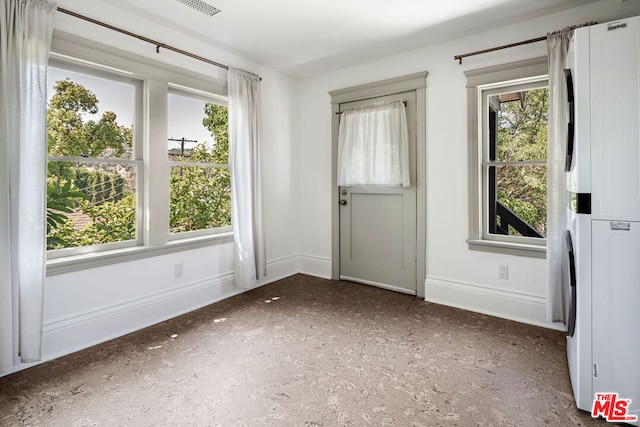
{"x": 378, "y": 222}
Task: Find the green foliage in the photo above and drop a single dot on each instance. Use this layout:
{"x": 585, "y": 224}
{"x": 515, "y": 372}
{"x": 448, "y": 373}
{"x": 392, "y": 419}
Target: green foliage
{"x": 108, "y": 222}
{"x": 100, "y": 186}
{"x": 201, "y": 196}
{"x": 60, "y": 200}
{"x": 522, "y": 136}
{"x": 69, "y": 135}
{"x": 102, "y": 196}
{"x": 216, "y": 120}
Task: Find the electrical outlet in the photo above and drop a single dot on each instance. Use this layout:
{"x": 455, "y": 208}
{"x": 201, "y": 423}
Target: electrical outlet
{"x": 503, "y": 271}
{"x": 178, "y": 270}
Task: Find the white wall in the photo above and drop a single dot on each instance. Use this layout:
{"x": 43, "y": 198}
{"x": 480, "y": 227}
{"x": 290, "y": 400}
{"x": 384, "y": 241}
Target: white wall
{"x": 455, "y": 275}
{"x": 83, "y": 308}
{"x": 86, "y": 307}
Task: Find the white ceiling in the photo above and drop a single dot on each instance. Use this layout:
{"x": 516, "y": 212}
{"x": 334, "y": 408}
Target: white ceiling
{"x": 303, "y": 37}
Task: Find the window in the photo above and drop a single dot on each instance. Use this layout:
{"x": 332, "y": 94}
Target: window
{"x": 508, "y": 111}
{"x": 93, "y": 173}
{"x": 138, "y": 160}
{"x": 514, "y": 164}
{"x": 200, "y": 178}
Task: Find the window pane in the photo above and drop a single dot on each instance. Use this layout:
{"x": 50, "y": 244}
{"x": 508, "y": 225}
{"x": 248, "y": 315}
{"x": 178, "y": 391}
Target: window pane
{"x": 521, "y": 125}
{"x": 521, "y": 205}
{"x": 89, "y": 116}
{"x": 90, "y": 204}
{"x": 198, "y": 130}
{"x": 200, "y": 198}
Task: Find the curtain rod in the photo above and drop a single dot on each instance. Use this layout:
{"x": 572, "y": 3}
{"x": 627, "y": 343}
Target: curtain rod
{"x": 506, "y": 46}
{"x": 537, "y": 39}
{"x": 143, "y": 38}
{"x": 340, "y": 112}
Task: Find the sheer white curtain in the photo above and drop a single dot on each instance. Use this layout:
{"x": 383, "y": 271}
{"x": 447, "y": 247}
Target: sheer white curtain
{"x": 557, "y": 47}
{"x": 245, "y": 112}
{"x": 373, "y": 145}
{"x": 25, "y": 38}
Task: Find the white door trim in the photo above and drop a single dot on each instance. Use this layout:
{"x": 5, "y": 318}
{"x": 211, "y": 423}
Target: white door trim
{"x": 413, "y": 82}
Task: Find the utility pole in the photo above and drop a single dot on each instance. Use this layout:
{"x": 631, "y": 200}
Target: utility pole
{"x": 182, "y": 141}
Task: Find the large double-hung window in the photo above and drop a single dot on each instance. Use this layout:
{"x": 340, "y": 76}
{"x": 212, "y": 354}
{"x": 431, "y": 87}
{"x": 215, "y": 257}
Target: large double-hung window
{"x": 138, "y": 160}
{"x": 94, "y": 172}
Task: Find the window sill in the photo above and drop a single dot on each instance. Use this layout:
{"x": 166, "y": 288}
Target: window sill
{"x": 518, "y": 249}
{"x": 103, "y": 258}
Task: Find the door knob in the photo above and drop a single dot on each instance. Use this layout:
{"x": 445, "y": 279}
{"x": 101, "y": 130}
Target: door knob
{"x": 343, "y": 202}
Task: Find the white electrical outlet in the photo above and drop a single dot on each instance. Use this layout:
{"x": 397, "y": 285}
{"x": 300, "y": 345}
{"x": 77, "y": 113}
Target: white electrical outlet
{"x": 503, "y": 271}
{"x": 179, "y": 270}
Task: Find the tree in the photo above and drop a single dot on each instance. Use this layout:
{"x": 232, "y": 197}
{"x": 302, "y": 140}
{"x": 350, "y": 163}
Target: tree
{"x": 201, "y": 196}
{"x": 522, "y": 136}
{"x": 69, "y": 135}
{"x": 60, "y": 199}
{"x": 84, "y": 188}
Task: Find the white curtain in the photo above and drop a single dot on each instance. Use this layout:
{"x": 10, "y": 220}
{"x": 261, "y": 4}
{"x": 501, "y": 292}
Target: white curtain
{"x": 245, "y": 111}
{"x": 557, "y": 47}
{"x": 25, "y": 38}
{"x": 373, "y": 145}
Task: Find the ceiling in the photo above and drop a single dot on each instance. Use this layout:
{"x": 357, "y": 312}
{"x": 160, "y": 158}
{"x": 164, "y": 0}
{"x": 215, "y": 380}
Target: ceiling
{"x": 300, "y": 38}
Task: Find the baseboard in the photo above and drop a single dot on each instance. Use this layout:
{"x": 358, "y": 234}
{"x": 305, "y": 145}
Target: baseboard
{"x": 280, "y": 268}
{"x": 315, "y": 266}
{"x": 512, "y": 305}
{"x": 82, "y": 330}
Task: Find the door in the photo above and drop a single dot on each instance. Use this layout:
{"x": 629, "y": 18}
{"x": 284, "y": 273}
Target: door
{"x": 378, "y": 224}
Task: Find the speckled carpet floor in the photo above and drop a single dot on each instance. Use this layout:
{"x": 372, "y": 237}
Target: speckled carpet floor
{"x": 307, "y": 352}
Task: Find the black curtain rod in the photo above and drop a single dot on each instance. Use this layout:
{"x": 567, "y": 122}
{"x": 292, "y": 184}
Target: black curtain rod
{"x": 506, "y": 46}
{"x": 493, "y": 49}
{"x": 157, "y": 44}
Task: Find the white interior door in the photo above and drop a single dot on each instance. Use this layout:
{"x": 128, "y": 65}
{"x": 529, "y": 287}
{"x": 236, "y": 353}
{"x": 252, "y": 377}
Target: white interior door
{"x": 378, "y": 224}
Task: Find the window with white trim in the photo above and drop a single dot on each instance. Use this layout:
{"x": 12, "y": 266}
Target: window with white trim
{"x": 95, "y": 160}
{"x": 508, "y": 111}
{"x": 200, "y": 177}
{"x": 138, "y": 161}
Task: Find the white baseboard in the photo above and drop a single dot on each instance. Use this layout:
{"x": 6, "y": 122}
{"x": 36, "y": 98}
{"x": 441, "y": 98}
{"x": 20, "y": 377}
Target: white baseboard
{"x": 512, "y": 305}
{"x": 280, "y": 268}
{"x": 82, "y": 330}
{"x": 315, "y": 266}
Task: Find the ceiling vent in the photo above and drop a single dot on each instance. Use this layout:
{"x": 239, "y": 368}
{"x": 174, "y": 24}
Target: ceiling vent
{"x": 200, "y": 6}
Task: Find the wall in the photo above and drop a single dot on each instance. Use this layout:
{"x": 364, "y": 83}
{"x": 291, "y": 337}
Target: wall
{"x": 455, "y": 276}
{"x": 87, "y": 307}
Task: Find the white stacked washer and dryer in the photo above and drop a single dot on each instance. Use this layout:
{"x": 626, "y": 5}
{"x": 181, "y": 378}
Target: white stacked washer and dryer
{"x": 602, "y": 284}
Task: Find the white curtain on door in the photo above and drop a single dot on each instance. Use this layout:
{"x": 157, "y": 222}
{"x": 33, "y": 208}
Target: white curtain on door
{"x": 557, "y": 47}
{"x": 373, "y": 145}
{"x": 25, "y": 38}
{"x": 245, "y": 112}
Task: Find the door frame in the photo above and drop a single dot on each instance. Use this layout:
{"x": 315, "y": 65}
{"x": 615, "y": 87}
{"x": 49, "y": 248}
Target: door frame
{"x": 413, "y": 82}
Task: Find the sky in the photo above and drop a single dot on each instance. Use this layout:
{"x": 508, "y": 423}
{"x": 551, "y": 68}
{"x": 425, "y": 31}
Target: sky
{"x": 185, "y": 113}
